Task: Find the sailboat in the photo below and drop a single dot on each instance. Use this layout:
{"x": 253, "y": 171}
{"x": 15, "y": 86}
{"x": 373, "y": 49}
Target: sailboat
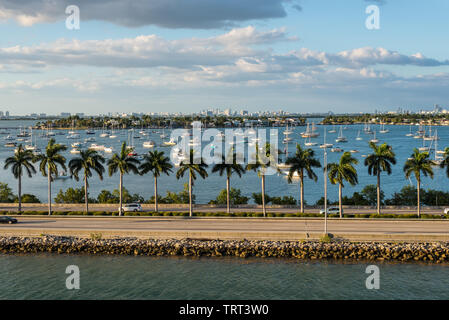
{"x": 383, "y": 130}
{"x": 31, "y": 147}
{"x": 438, "y": 159}
{"x": 341, "y": 138}
{"x": 333, "y": 129}
{"x": 113, "y": 135}
{"x": 326, "y": 145}
{"x": 309, "y": 133}
{"x": 310, "y": 143}
{"x": 410, "y": 134}
{"x": 424, "y": 148}
{"x": 104, "y": 134}
{"x": 287, "y": 131}
{"x": 367, "y": 129}
{"x": 163, "y": 135}
{"x": 359, "y": 138}
{"x": 374, "y": 140}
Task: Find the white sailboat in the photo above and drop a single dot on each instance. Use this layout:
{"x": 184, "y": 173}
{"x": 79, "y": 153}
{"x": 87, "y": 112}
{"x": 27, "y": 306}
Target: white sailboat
{"x": 410, "y": 134}
{"x": 341, "y": 138}
{"x": 309, "y": 133}
{"x": 374, "y": 140}
{"x": 326, "y": 145}
{"x": 383, "y": 130}
{"x": 359, "y": 138}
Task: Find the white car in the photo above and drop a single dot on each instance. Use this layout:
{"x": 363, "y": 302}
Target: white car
{"x": 446, "y": 210}
{"x": 331, "y": 210}
{"x": 131, "y": 207}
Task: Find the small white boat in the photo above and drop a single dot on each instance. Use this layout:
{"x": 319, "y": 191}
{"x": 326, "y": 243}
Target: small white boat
{"x": 108, "y": 149}
{"x": 96, "y": 147}
{"x": 148, "y": 144}
{"x": 170, "y": 143}
{"x": 336, "y": 150}
{"x": 284, "y": 166}
{"x": 75, "y": 151}
{"x": 354, "y": 151}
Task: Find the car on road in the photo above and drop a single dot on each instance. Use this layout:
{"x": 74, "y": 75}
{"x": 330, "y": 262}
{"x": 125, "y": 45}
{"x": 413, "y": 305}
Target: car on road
{"x": 331, "y": 210}
{"x": 6, "y": 219}
{"x": 132, "y": 207}
{"x": 446, "y": 210}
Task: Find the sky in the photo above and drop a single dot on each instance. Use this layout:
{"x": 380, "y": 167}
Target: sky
{"x": 185, "y": 56}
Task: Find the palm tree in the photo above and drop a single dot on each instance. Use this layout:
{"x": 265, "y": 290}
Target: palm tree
{"x": 343, "y": 171}
{"x": 303, "y": 160}
{"x": 157, "y": 163}
{"x": 261, "y": 167}
{"x": 49, "y": 161}
{"x": 380, "y": 160}
{"x": 417, "y": 163}
{"x": 122, "y": 163}
{"x": 88, "y": 161}
{"x": 229, "y": 169}
{"x": 193, "y": 166}
{"x": 22, "y": 159}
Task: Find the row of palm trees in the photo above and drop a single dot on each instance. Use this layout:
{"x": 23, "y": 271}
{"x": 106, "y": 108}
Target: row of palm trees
{"x": 301, "y": 165}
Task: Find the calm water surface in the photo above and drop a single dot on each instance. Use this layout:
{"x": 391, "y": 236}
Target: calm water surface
{"x": 123, "y": 277}
{"x": 276, "y": 185}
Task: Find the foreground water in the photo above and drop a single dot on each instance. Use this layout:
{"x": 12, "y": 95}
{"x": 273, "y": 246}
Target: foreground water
{"x": 124, "y": 277}
{"x": 276, "y": 185}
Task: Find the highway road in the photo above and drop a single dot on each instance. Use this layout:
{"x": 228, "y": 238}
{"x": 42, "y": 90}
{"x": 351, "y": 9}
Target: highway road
{"x": 230, "y": 228}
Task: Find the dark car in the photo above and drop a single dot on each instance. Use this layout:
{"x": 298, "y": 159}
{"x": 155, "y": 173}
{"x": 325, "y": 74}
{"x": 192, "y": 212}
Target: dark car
{"x": 5, "y": 219}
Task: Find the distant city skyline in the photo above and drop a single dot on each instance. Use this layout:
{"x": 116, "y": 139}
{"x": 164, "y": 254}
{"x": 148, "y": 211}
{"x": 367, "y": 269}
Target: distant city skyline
{"x": 187, "y": 56}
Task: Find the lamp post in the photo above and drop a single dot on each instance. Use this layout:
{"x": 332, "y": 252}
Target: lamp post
{"x": 325, "y": 190}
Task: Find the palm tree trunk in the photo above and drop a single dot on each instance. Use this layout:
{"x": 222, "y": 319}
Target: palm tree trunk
{"x": 20, "y": 193}
{"x": 340, "y": 205}
{"x": 155, "y": 194}
{"x": 301, "y": 186}
{"x": 190, "y": 195}
{"x": 86, "y": 194}
{"x": 120, "y": 191}
{"x": 419, "y": 201}
{"x": 378, "y": 192}
{"x": 228, "y": 186}
{"x": 49, "y": 192}
{"x": 263, "y": 196}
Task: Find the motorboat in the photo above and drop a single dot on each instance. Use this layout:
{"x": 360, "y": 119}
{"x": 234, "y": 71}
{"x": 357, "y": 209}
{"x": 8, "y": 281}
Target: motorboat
{"x": 169, "y": 143}
{"x": 148, "y": 144}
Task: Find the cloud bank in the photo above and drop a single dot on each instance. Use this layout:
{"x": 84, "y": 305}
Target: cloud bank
{"x": 203, "y": 14}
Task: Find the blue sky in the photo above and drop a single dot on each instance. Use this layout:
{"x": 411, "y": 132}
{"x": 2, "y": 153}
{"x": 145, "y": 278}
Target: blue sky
{"x": 184, "y": 56}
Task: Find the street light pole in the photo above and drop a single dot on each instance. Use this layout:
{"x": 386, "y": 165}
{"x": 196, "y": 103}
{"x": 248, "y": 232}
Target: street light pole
{"x": 325, "y": 190}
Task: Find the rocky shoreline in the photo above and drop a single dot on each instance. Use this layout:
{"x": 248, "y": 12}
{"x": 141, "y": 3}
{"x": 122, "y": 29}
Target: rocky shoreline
{"x": 304, "y": 250}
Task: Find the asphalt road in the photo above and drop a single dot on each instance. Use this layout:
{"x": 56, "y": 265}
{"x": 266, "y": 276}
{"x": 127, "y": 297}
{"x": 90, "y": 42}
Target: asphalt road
{"x": 225, "y": 227}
